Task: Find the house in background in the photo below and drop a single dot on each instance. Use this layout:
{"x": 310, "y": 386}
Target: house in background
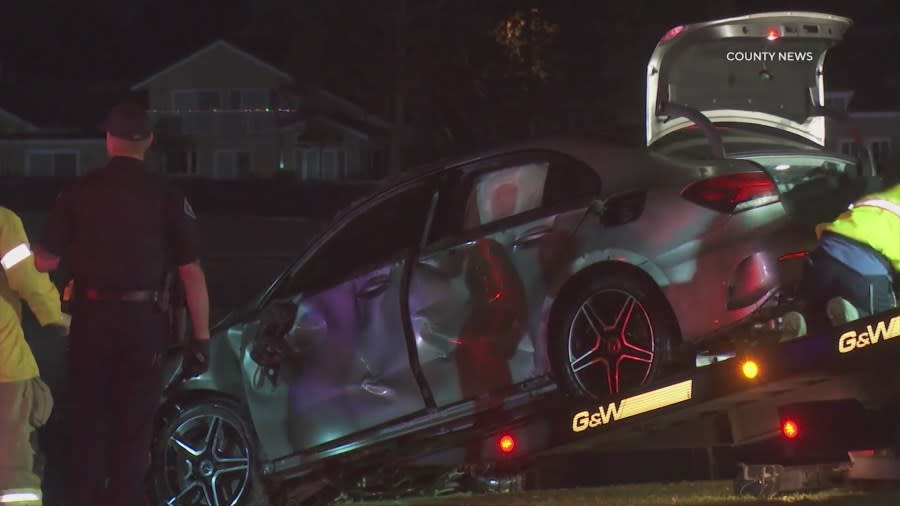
{"x": 36, "y": 142}
{"x": 225, "y": 114}
{"x": 880, "y": 129}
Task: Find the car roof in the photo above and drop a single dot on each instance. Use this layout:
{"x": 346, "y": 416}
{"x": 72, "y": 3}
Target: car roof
{"x": 593, "y": 149}
{"x": 586, "y": 147}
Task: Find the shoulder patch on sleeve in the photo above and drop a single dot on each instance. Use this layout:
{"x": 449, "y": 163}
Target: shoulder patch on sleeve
{"x": 188, "y": 210}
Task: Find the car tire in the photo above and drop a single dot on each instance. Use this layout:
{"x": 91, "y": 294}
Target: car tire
{"x": 204, "y": 447}
{"x": 615, "y": 333}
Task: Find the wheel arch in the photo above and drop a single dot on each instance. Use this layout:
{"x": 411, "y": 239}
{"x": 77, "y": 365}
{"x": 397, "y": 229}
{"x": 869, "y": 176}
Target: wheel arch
{"x": 178, "y": 400}
{"x": 565, "y": 293}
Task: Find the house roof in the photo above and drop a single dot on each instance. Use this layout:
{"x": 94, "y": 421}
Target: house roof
{"x": 356, "y": 109}
{"x": 269, "y": 52}
{"x": 210, "y": 47}
{"x": 8, "y": 116}
{"x": 333, "y": 123}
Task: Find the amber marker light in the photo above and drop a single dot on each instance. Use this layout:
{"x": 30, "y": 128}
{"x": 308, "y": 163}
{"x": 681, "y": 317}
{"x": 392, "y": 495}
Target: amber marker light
{"x": 750, "y": 369}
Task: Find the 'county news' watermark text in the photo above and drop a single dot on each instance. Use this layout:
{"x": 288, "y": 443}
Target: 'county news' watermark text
{"x": 798, "y": 56}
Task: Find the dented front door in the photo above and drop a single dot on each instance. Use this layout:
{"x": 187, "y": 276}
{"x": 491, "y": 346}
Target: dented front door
{"x": 350, "y": 368}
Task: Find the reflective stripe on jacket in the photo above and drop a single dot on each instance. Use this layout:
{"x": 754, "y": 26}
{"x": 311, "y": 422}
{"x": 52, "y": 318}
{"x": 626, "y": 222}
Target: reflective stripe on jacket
{"x": 20, "y": 280}
{"x": 873, "y": 220}
{"x": 21, "y": 497}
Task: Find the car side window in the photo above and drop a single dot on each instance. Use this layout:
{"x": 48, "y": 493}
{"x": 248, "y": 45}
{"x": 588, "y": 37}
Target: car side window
{"x": 373, "y": 238}
{"x": 500, "y": 194}
{"x": 541, "y": 181}
{"x": 570, "y": 184}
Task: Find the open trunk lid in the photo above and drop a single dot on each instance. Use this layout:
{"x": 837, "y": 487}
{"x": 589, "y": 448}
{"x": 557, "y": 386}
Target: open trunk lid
{"x": 764, "y": 69}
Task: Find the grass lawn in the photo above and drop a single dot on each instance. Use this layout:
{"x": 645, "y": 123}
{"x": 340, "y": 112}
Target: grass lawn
{"x": 718, "y": 493}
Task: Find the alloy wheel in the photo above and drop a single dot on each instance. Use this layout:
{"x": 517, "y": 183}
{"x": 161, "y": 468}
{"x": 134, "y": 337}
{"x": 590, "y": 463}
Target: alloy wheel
{"x": 610, "y": 343}
{"x": 207, "y": 462}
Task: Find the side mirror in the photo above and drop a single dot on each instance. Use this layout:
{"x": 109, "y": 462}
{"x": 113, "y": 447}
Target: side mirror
{"x": 620, "y": 208}
{"x": 282, "y": 342}
{"x": 597, "y": 207}
{"x": 267, "y": 346}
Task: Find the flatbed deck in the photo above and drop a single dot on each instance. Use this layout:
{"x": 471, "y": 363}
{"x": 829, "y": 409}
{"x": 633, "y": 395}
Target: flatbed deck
{"x": 716, "y": 405}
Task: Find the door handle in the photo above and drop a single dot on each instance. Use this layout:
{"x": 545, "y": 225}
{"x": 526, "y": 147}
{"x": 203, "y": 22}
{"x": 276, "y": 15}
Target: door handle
{"x": 374, "y": 286}
{"x": 531, "y": 236}
{"x": 376, "y": 389}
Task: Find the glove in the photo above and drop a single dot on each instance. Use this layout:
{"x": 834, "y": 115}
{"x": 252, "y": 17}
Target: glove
{"x": 196, "y": 357}
{"x": 61, "y": 328}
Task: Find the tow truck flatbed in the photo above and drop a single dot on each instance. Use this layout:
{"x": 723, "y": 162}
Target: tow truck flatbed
{"x": 717, "y": 405}
{"x": 711, "y": 406}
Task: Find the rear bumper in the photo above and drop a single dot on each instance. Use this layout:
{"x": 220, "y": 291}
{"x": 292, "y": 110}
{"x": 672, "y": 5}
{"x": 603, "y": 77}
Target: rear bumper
{"x": 755, "y": 277}
{"x": 736, "y": 287}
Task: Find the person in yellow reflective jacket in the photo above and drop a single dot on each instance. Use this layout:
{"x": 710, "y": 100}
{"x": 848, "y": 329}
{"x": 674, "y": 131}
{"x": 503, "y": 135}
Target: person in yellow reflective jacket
{"x": 851, "y": 272}
{"x": 25, "y": 400}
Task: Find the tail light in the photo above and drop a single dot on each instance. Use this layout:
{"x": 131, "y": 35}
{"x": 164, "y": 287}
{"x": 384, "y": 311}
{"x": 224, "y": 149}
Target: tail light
{"x": 794, "y": 255}
{"x": 733, "y": 193}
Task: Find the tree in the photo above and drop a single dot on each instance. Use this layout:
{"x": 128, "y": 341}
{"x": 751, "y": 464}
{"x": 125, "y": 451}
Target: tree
{"x": 525, "y": 35}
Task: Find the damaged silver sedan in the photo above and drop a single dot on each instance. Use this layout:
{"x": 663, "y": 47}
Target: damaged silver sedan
{"x": 560, "y": 264}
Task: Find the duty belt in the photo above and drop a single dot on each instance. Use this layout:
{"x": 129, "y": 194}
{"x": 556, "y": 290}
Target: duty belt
{"x": 97, "y": 294}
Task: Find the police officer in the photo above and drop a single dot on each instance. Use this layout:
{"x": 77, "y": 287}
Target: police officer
{"x": 25, "y": 400}
{"x": 851, "y": 272}
{"x": 117, "y": 227}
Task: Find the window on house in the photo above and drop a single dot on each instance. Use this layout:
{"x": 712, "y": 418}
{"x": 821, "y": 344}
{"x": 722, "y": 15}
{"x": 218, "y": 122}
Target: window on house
{"x": 881, "y": 149}
{"x": 332, "y": 164}
{"x": 848, "y": 147}
{"x": 378, "y": 164}
{"x": 231, "y": 164}
{"x": 51, "y": 163}
{"x": 203, "y": 100}
{"x": 179, "y": 162}
{"x": 838, "y": 103}
{"x": 207, "y": 100}
{"x": 249, "y": 98}
{"x": 198, "y": 104}
{"x": 183, "y": 100}
{"x": 308, "y": 167}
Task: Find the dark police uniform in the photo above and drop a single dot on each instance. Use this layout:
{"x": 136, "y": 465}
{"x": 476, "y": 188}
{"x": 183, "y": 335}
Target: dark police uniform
{"x": 121, "y": 228}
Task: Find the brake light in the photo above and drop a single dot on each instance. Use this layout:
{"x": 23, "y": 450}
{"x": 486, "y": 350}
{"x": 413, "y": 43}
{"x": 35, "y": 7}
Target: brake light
{"x": 733, "y": 193}
{"x": 671, "y": 34}
{"x": 790, "y": 429}
{"x": 794, "y": 255}
{"x": 506, "y": 443}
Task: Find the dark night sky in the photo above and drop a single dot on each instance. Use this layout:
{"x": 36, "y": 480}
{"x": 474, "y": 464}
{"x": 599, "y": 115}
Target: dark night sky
{"x": 37, "y": 32}
{"x": 130, "y": 39}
